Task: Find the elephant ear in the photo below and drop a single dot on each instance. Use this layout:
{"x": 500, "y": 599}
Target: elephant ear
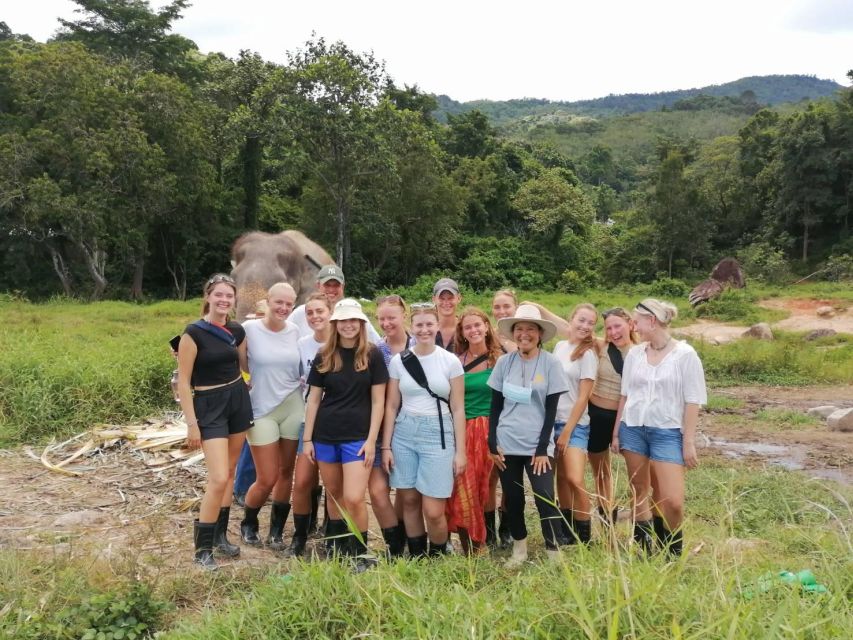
{"x": 241, "y": 246}
{"x": 728, "y": 271}
{"x": 704, "y": 291}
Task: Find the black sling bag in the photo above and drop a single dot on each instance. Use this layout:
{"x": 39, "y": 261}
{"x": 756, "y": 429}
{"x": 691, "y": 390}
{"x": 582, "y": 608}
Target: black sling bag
{"x": 615, "y": 357}
{"x": 413, "y": 366}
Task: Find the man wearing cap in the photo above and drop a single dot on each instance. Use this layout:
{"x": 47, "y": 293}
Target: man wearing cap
{"x": 330, "y": 281}
{"x": 446, "y": 297}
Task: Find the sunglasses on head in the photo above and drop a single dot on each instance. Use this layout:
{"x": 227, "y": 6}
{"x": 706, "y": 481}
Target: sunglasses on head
{"x": 220, "y": 277}
{"x": 420, "y": 306}
{"x": 619, "y": 312}
{"x": 393, "y": 299}
{"x": 640, "y": 305}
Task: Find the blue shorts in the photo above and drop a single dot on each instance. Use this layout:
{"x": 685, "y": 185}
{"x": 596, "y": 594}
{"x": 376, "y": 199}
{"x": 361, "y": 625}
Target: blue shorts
{"x": 654, "y": 443}
{"x": 419, "y": 461}
{"x": 579, "y": 438}
{"x": 339, "y": 452}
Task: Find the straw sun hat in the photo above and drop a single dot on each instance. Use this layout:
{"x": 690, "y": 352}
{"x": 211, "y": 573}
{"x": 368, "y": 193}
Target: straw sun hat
{"x": 527, "y": 313}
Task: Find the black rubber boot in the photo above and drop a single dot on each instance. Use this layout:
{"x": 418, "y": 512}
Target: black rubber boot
{"x": 491, "y": 528}
{"x": 220, "y": 535}
{"x": 417, "y": 547}
{"x": 249, "y": 527}
{"x": 608, "y": 519}
{"x": 203, "y": 539}
{"x": 300, "y": 534}
{"x": 643, "y": 536}
{"x": 437, "y": 549}
{"x": 314, "y": 524}
{"x": 659, "y": 529}
{"x": 673, "y": 543}
{"x": 278, "y": 518}
{"x": 567, "y": 525}
{"x": 337, "y": 536}
{"x": 504, "y": 536}
{"x": 359, "y": 550}
{"x": 395, "y": 541}
{"x": 583, "y": 529}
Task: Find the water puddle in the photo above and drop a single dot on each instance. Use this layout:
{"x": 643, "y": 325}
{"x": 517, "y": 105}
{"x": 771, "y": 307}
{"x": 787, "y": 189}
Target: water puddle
{"x": 789, "y": 457}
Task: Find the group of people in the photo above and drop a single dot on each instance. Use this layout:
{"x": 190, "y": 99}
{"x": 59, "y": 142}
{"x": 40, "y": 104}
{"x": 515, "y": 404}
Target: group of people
{"x": 440, "y": 408}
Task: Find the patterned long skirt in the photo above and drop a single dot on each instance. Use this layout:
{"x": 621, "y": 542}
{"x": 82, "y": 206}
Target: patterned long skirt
{"x": 471, "y": 489}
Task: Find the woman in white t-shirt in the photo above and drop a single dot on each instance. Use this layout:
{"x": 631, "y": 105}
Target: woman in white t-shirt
{"x": 663, "y": 387}
{"x": 278, "y": 408}
{"x": 578, "y": 357}
{"x": 423, "y": 447}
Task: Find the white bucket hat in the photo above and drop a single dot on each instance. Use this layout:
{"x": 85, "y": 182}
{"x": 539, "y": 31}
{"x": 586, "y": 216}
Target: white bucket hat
{"x": 348, "y": 309}
{"x": 527, "y": 313}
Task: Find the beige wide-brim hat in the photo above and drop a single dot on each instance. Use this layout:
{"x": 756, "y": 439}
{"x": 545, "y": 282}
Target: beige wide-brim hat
{"x": 348, "y": 309}
{"x": 527, "y": 313}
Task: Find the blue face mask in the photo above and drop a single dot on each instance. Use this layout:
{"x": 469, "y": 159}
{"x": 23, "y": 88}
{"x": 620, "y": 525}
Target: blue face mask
{"x": 516, "y": 393}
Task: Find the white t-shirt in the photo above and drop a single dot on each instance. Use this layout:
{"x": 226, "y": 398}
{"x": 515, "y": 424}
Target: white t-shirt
{"x": 656, "y": 395}
{"x": 297, "y": 317}
{"x": 273, "y": 364}
{"x": 584, "y": 368}
{"x": 440, "y": 367}
{"x": 308, "y": 348}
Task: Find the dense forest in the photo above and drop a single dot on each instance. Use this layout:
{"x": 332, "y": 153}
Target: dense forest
{"x": 131, "y": 161}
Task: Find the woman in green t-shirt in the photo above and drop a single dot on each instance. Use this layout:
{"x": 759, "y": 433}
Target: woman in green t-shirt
{"x": 478, "y": 349}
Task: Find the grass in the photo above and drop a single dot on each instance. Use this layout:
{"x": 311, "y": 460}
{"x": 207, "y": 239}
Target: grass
{"x": 719, "y": 403}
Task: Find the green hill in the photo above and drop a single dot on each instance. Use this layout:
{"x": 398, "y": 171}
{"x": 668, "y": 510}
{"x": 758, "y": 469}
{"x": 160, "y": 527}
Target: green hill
{"x": 766, "y": 90}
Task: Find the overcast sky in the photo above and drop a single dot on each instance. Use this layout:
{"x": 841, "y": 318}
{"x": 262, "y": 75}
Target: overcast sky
{"x": 562, "y": 50}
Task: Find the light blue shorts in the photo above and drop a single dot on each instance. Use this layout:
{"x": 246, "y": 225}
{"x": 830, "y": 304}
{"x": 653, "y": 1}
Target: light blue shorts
{"x": 579, "y": 438}
{"x": 419, "y": 461}
{"x": 654, "y": 443}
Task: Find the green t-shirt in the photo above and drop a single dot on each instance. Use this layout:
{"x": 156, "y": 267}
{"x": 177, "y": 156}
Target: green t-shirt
{"x": 478, "y": 394}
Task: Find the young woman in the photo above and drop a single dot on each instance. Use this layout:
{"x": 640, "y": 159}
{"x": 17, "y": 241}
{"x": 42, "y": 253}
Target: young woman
{"x": 423, "y": 446}
{"x": 278, "y": 408}
{"x": 217, "y": 409}
{"x": 604, "y": 402}
{"x": 342, "y": 419}
{"x": 479, "y": 350}
{"x": 504, "y": 304}
{"x": 579, "y": 358}
{"x": 526, "y": 386}
{"x": 663, "y": 387}
{"x": 391, "y": 314}
{"x": 306, "y": 489}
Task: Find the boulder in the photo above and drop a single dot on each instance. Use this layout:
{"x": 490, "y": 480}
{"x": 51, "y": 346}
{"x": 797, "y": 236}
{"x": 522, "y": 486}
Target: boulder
{"x": 822, "y": 412}
{"x": 760, "y": 331}
{"x": 841, "y": 420}
{"x": 721, "y": 339}
{"x": 819, "y": 333}
{"x": 825, "y": 311}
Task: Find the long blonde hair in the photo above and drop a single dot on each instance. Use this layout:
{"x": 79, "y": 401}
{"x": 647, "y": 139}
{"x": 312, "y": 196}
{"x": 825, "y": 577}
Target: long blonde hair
{"x": 619, "y": 312}
{"x": 330, "y": 353}
{"x": 493, "y": 345}
{"x": 589, "y": 342}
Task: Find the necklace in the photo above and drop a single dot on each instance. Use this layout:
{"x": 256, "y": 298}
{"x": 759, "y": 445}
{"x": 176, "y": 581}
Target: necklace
{"x": 661, "y": 348}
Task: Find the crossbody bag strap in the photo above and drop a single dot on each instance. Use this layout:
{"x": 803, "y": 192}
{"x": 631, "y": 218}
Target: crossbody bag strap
{"x": 476, "y": 361}
{"x": 219, "y": 332}
{"x": 616, "y": 358}
{"x": 415, "y": 369}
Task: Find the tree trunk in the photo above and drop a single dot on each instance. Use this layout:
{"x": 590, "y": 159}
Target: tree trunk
{"x": 341, "y": 239}
{"x": 61, "y": 270}
{"x": 136, "y": 283}
{"x": 806, "y": 238}
{"x": 96, "y": 262}
{"x": 671, "y": 254}
{"x": 251, "y": 180}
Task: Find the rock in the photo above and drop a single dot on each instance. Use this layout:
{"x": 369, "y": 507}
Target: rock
{"x": 80, "y": 518}
{"x": 822, "y": 412}
{"x": 841, "y": 420}
{"x": 819, "y": 333}
{"x": 825, "y": 311}
{"x": 721, "y": 339}
{"x": 760, "y": 331}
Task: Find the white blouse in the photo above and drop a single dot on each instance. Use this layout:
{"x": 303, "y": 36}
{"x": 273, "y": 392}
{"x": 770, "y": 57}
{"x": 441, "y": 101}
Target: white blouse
{"x": 656, "y": 394}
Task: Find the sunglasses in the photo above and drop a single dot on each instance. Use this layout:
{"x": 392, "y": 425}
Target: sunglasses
{"x": 619, "y": 312}
{"x": 421, "y": 306}
{"x": 640, "y": 305}
{"x": 393, "y": 299}
{"x": 220, "y": 277}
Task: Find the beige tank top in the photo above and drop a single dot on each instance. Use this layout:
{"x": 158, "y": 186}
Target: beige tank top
{"x": 608, "y": 383}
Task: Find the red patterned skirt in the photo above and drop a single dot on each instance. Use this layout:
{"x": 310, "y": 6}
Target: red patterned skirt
{"x": 471, "y": 489}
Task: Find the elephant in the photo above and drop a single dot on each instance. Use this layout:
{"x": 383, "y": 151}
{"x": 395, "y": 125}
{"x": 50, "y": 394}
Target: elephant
{"x": 259, "y": 260}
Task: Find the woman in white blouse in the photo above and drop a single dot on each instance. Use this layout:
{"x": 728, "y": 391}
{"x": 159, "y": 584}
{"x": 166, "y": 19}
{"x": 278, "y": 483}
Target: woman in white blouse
{"x": 663, "y": 386}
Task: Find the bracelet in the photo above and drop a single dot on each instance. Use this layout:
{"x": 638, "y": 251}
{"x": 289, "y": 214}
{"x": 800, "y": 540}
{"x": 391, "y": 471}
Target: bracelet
{"x": 307, "y": 440}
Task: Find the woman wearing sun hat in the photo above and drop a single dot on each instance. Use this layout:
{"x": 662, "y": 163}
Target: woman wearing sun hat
{"x": 342, "y": 419}
{"x": 663, "y": 387}
{"x": 526, "y": 386}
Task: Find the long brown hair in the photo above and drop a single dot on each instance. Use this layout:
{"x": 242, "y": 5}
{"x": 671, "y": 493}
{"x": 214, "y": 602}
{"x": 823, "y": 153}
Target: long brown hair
{"x": 212, "y": 281}
{"x": 589, "y": 342}
{"x": 330, "y": 353}
{"x": 493, "y": 345}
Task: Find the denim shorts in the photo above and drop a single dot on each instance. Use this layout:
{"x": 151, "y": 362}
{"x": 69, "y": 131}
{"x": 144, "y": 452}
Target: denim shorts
{"x": 654, "y": 443}
{"x": 419, "y": 461}
{"x": 579, "y": 438}
{"x": 338, "y": 452}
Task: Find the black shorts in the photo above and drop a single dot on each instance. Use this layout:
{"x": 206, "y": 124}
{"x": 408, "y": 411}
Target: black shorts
{"x": 223, "y": 411}
{"x": 601, "y": 422}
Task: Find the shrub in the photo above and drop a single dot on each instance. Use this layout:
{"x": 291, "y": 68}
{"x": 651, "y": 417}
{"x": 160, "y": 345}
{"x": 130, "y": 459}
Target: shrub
{"x": 571, "y": 282}
{"x": 761, "y": 261}
{"x": 669, "y": 288}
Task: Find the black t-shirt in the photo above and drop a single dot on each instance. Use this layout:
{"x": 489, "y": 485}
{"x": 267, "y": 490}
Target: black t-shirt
{"x": 216, "y": 361}
{"x": 344, "y": 413}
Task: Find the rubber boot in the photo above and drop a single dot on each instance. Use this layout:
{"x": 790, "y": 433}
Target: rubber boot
{"x": 220, "y": 535}
{"x": 417, "y": 546}
{"x": 643, "y": 536}
{"x": 519, "y": 554}
{"x": 659, "y": 529}
{"x": 278, "y": 518}
{"x": 249, "y": 527}
{"x": 491, "y": 529}
{"x": 300, "y": 534}
{"x": 437, "y": 549}
{"x": 583, "y": 529}
{"x": 337, "y": 535}
{"x": 608, "y": 519}
{"x": 314, "y": 525}
{"x": 395, "y": 541}
{"x": 359, "y": 550}
{"x": 673, "y": 543}
{"x": 504, "y": 535}
{"x": 567, "y": 525}
{"x": 203, "y": 539}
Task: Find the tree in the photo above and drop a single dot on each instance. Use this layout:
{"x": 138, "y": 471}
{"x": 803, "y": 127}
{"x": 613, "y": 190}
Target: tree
{"x": 552, "y": 205}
